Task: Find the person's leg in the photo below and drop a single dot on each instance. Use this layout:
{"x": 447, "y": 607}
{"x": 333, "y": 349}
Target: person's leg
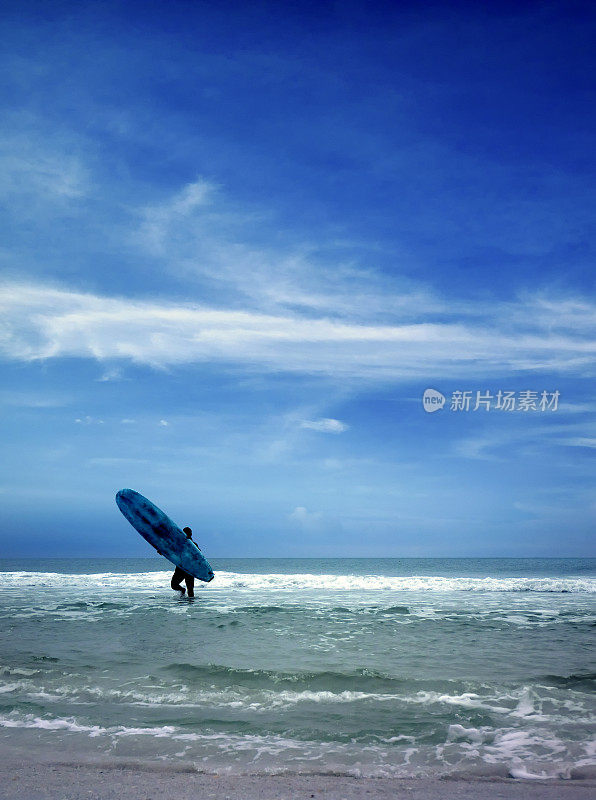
{"x": 176, "y": 578}
{"x": 190, "y": 585}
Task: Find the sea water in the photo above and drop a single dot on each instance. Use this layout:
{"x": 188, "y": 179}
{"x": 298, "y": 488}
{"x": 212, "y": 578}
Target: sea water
{"x": 373, "y": 667}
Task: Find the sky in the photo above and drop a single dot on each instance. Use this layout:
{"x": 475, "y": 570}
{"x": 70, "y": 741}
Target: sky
{"x": 240, "y": 240}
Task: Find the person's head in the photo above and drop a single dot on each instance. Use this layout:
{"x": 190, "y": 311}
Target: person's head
{"x": 188, "y": 532}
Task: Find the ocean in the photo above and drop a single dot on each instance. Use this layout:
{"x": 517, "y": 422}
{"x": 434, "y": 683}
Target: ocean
{"x": 365, "y": 667}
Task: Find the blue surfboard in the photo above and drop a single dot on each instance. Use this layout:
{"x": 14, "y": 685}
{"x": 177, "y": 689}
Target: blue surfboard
{"x": 163, "y": 534}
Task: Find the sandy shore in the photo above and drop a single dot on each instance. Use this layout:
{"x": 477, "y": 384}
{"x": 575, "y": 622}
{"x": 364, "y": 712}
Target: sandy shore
{"x": 58, "y": 779}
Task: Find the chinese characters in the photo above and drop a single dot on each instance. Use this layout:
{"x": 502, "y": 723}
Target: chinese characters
{"x": 504, "y": 401}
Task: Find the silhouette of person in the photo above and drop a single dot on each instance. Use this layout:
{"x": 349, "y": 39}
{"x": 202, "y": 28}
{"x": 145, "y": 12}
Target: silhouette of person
{"x": 179, "y": 574}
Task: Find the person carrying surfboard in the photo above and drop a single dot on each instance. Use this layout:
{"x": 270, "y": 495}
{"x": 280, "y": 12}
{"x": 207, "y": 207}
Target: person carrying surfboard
{"x": 179, "y": 574}
{"x": 167, "y": 538}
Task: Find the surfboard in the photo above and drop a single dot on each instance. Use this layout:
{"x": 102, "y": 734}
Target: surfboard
{"x": 163, "y": 534}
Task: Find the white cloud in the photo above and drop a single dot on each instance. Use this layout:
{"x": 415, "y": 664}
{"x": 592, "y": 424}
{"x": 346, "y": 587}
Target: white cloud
{"x": 325, "y": 425}
{"x": 288, "y": 311}
{"x": 580, "y": 441}
{"x": 501, "y": 445}
{"x": 110, "y": 375}
{"x": 41, "y": 322}
{"x": 160, "y": 227}
{"x": 576, "y": 408}
{"x": 198, "y": 234}
{"x": 164, "y": 423}
{"x": 314, "y": 523}
{"x": 305, "y": 518}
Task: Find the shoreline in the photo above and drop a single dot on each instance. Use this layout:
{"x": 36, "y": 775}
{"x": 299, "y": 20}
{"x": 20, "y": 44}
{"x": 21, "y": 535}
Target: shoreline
{"x": 54, "y": 777}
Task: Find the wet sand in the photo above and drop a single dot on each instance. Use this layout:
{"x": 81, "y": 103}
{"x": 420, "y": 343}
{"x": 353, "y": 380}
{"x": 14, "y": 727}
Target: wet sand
{"x": 22, "y": 776}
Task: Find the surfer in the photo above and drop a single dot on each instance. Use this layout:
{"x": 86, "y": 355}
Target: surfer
{"x": 179, "y": 574}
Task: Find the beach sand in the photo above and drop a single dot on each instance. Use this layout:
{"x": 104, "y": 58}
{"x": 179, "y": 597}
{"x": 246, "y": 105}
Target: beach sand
{"x": 57, "y": 778}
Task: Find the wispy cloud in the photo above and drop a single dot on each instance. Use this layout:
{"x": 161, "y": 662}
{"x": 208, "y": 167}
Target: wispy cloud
{"x": 161, "y": 223}
{"x": 579, "y": 441}
{"x": 35, "y": 399}
{"x": 198, "y": 234}
{"x": 114, "y": 374}
{"x": 35, "y": 169}
{"x": 500, "y": 445}
{"x": 325, "y": 425}
{"x": 42, "y": 322}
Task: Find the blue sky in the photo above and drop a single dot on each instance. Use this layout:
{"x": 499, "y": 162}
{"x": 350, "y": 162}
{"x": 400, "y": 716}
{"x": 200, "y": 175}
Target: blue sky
{"x": 239, "y": 242}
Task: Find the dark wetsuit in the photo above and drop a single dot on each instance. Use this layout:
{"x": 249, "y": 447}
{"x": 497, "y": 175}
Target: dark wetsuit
{"x": 178, "y": 575}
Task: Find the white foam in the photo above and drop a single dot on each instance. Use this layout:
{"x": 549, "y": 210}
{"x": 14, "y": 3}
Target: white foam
{"x": 522, "y": 772}
{"x": 18, "y": 671}
{"x": 151, "y": 581}
{"x": 526, "y": 754}
{"x": 30, "y": 721}
{"x": 184, "y": 697}
{"x": 466, "y": 700}
{"x": 541, "y": 703}
{"x": 457, "y": 732}
{"x": 527, "y": 703}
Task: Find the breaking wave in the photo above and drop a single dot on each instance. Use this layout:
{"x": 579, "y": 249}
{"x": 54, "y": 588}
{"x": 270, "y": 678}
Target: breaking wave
{"x": 305, "y": 581}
